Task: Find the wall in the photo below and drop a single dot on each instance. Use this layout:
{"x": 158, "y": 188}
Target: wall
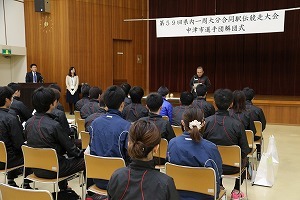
{"x": 12, "y": 36}
{"x": 81, "y": 34}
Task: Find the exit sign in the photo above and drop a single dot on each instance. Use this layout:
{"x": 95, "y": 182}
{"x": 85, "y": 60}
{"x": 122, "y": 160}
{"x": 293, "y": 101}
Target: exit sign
{"x": 6, "y": 51}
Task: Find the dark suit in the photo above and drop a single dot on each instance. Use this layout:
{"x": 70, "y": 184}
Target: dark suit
{"x": 29, "y": 77}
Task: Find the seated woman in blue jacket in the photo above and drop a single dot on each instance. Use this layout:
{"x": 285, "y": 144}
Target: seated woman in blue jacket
{"x": 190, "y": 149}
{"x": 140, "y": 180}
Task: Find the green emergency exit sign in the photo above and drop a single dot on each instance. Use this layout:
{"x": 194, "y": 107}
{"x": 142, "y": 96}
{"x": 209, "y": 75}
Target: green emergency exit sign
{"x": 6, "y": 51}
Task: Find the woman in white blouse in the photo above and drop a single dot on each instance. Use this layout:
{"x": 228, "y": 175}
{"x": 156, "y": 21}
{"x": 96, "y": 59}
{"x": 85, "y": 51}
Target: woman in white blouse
{"x": 72, "y": 82}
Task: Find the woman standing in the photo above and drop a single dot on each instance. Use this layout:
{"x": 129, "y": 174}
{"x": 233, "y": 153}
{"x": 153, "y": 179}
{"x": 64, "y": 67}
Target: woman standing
{"x": 72, "y": 82}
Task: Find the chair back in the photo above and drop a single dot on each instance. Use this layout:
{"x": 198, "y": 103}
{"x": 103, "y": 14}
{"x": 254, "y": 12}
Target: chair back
{"x": 85, "y": 139}
{"x": 231, "y": 155}
{"x": 3, "y": 153}
{"x": 195, "y": 179}
{"x": 77, "y": 116}
{"x": 102, "y": 167}
{"x": 250, "y": 138}
{"x": 177, "y": 130}
{"x": 258, "y": 126}
{"x": 80, "y": 125}
{"x": 9, "y": 193}
{"x": 41, "y": 158}
{"x": 162, "y": 150}
{"x": 165, "y": 117}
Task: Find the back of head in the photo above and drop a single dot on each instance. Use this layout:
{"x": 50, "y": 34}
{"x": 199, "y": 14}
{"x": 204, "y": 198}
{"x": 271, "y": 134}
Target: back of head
{"x": 113, "y": 97}
{"x": 249, "y": 93}
{"x": 163, "y": 91}
{"x": 193, "y": 122}
{"x": 136, "y": 94}
{"x": 201, "y": 90}
{"x": 14, "y": 86}
{"x": 239, "y": 101}
{"x": 55, "y": 86}
{"x": 95, "y": 92}
{"x": 85, "y": 90}
{"x": 154, "y": 101}
{"x": 143, "y": 137}
{"x": 5, "y": 93}
{"x": 42, "y": 98}
{"x": 57, "y": 93}
{"x": 126, "y": 88}
{"x": 223, "y": 98}
{"x": 186, "y": 98}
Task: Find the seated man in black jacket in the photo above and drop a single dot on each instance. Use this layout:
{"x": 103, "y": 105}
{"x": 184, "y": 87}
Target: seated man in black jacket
{"x": 17, "y": 107}
{"x": 43, "y": 131}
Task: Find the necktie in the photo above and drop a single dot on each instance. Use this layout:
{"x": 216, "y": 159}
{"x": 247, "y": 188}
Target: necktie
{"x": 34, "y": 77}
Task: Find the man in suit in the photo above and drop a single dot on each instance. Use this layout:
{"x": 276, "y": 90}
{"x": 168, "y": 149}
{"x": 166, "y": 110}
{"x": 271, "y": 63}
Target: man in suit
{"x": 33, "y": 76}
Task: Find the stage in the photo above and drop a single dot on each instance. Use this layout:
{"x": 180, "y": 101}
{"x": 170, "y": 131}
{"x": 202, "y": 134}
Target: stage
{"x": 283, "y": 110}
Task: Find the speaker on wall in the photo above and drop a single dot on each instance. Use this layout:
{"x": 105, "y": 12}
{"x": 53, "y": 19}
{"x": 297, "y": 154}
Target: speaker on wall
{"x": 42, "y": 6}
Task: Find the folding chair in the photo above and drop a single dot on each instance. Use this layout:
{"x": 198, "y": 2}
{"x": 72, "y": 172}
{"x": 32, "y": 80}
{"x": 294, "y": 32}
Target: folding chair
{"x": 194, "y": 179}
{"x": 77, "y": 116}
{"x": 80, "y": 125}
{"x": 161, "y": 153}
{"x": 98, "y": 167}
{"x": 85, "y": 139}
{"x": 250, "y": 139}
{"x": 165, "y": 117}
{"x": 259, "y": 133}
{"x": 231, "y": 156}
{"x": 177, "y": 130}
{"x": 34, "y": 157}
{"x": 3, "y": 158}
{"x": 9, "y": 193}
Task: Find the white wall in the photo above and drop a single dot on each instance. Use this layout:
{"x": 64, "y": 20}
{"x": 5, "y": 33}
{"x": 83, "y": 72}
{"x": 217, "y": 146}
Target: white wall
{"x": 12, "y": 34}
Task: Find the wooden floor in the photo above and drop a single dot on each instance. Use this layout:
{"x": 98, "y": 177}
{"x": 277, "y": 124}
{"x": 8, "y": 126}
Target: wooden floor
{"x": 288, "y": 175}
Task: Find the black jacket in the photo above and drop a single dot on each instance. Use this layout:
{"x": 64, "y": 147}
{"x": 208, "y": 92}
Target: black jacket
{"x": 29, "y": 77}
{"x": 140, "y": 180}
{"x": 222, "y": 129}
{"x": 11, "y": 133}
{"x": 177, "y": 114}
{"x": 244, "y": 118}
{"x": 43, "y": 131}
{"x": 79, "y": 104}
{"x": 256, "y": 114}
{"x": 163, "y": 126}
{"x": 89, "y": 108}
{"x": 60, "y": 117}
{"x": 88, "y": 121}
{"x": 207, "y": 108}
{"x": 17, "y": 107}
{"x": 134, "y": 111}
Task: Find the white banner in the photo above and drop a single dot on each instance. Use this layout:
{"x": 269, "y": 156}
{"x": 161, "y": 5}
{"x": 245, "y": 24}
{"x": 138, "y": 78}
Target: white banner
{"x": 241, "y": 23}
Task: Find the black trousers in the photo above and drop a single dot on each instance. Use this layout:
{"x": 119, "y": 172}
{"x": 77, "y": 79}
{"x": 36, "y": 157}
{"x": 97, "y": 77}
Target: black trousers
{"x": 13, "y": 161}
{"x": 67, "y": 166}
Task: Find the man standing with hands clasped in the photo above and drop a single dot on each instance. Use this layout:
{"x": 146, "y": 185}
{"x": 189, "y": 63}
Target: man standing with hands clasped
{"x": 33, "y": 76}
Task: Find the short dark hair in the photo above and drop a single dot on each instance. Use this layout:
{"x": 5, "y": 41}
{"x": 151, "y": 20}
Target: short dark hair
{"x": 5, "y": 93}
{"x": 239, "y": 101}
{"x": 55, "y": 86}
{"x": 136, "y": 94}
{"x": 223, "y": 98}
{"x": 186, "y": 98}
{"x": 85, "y": 89}
{"x": 154, "y": 101}
{"x": 42, "y": 98}
{"x": 94, "y": 92}
{"x": 249, "y": 93}
{"x": 113, "y": 97}
{"x": 33, "y": 65}
{"x": 126, "y": 88}
{"x": 14, "y": 86}
{"x": 57, "y": 93}
{"x": 201, "y": 90}
{"x": 143, "y": 137}
{"x": 163, "y": 91}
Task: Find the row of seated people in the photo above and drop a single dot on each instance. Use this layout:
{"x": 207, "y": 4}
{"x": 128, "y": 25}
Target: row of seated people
{"x": 111, "y": 122}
